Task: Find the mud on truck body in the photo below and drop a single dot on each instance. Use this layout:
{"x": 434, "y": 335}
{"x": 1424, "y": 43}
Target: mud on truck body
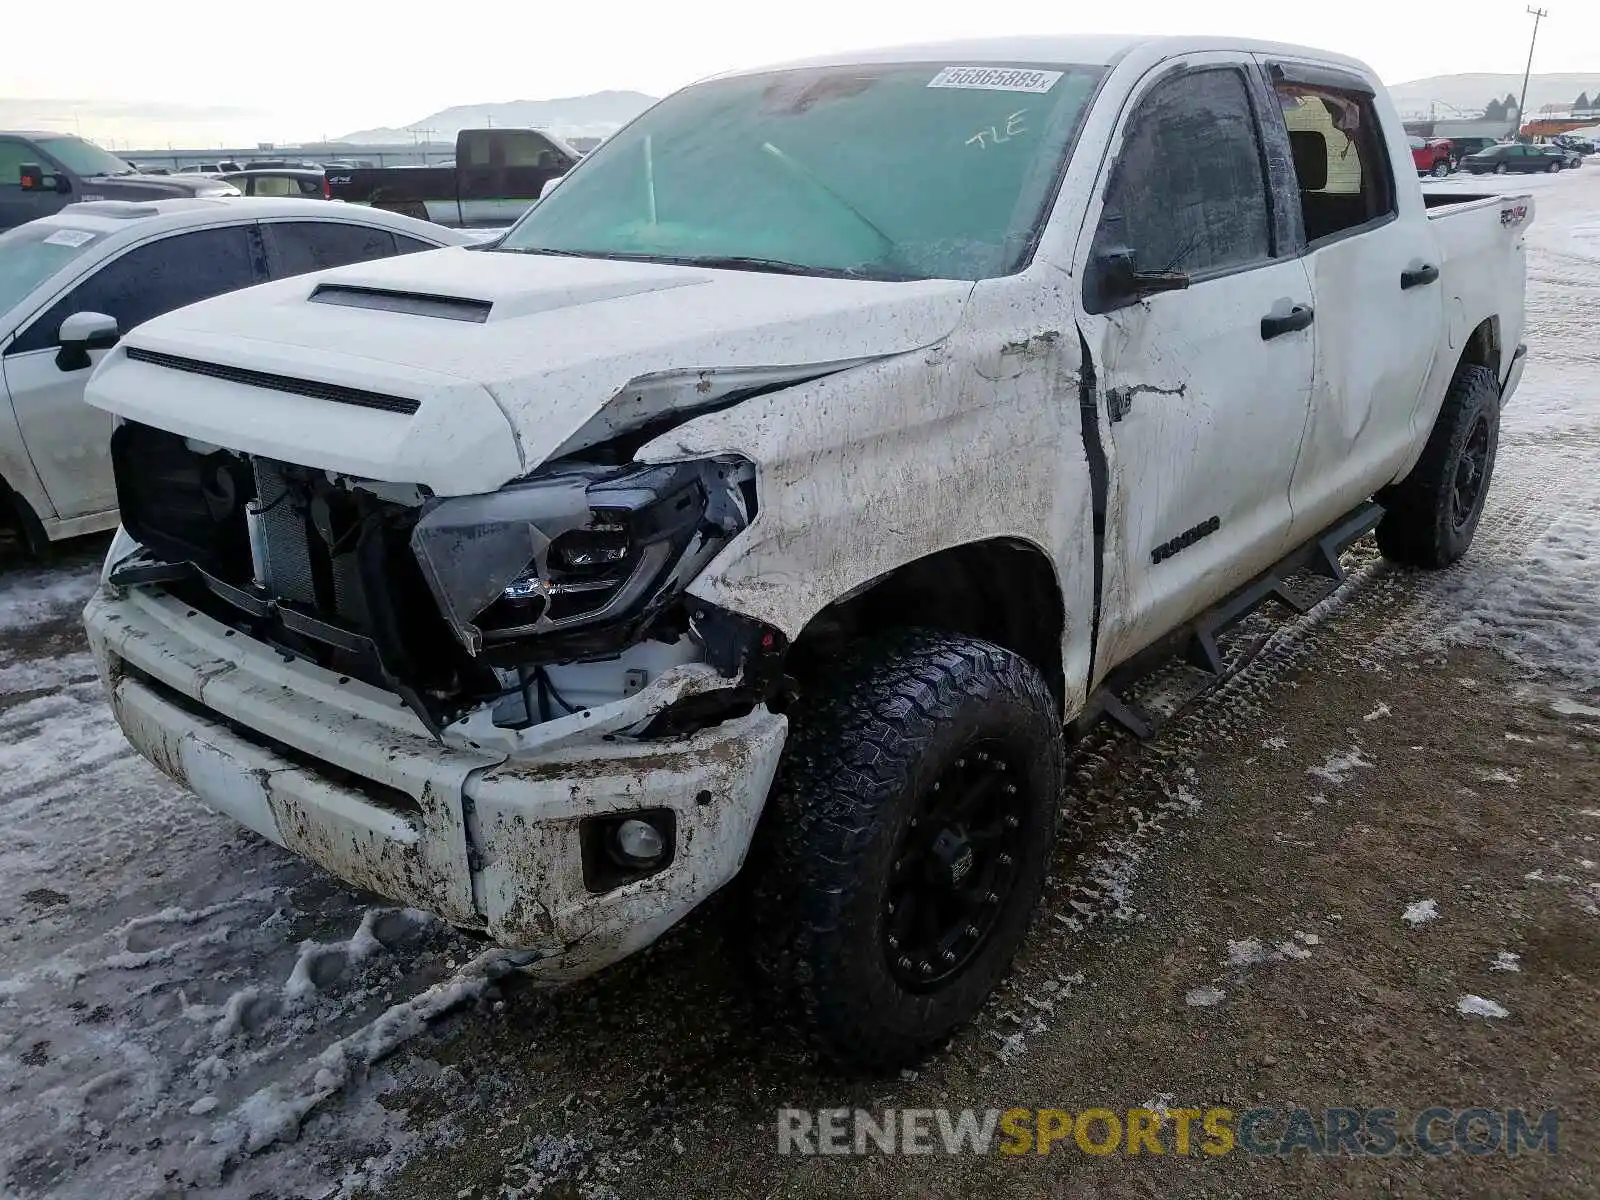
{"x": 767, "y": 505}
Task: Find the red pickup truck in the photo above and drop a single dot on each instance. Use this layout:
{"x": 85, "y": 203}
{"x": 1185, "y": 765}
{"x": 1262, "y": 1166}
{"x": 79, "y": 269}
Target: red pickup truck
{"x": 1432, "y": 157}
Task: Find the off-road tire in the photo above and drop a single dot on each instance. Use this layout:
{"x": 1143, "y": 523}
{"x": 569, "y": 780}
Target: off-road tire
{"x": 1423, "y": 524}
{"x": 863, "y": 753}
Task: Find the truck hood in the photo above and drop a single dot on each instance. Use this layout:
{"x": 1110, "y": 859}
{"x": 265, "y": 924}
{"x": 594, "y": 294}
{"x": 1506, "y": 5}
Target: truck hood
{"x": 149, "y": 187}
{"x": 461, "y": 369}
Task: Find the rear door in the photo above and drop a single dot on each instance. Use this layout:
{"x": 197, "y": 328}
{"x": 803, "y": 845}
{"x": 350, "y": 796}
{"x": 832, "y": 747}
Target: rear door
{"x": 1375, "y": 271}
{"x": 1205, "y": 390}
{"x": 68, "y": 440}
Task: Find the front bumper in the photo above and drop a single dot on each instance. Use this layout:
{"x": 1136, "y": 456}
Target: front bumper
{"x": 342, "y": 774}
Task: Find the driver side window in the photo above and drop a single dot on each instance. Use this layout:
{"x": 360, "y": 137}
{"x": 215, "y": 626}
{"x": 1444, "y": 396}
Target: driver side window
{"x": 1188, "y": 192}
{"x": 12, "y": 155}
{"x": 150, "y": 280}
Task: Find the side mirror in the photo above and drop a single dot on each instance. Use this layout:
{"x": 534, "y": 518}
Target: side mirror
{"x": 1122, "y": 283}
{"x": 549, "y": 186}
{"x": 81, "y": 333}
{"x": 63, "y": 185}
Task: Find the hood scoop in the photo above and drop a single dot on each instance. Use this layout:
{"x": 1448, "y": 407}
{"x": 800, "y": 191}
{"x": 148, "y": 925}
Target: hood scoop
{"x": 417, "y": 304}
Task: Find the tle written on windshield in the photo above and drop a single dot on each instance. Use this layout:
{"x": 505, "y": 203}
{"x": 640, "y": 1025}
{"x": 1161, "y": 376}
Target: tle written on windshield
{"x": 881, "y": 172}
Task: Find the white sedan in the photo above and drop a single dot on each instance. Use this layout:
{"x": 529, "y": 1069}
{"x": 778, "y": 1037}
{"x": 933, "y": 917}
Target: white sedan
{"x": 72, "y": 283}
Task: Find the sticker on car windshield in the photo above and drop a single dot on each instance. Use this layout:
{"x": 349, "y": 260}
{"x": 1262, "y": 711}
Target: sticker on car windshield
{"x": 70, "y": 237}
{"x": 996, "y": 79}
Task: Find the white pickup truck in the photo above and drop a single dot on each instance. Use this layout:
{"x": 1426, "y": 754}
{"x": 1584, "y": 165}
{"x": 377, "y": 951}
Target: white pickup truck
{"x": 777, "y": 497}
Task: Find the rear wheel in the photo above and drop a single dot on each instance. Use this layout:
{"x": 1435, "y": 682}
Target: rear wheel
{"x": 21, "y": 534}
{"x": 1441, "y": 168}
{"x": 905, "y": 844}
{"x": 1431, "y": 515}
{"x": 1500, "y": 168}
{"x": 1555, "y": 165}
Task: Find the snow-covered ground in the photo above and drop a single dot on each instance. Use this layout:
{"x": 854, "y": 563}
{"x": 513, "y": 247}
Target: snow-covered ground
{"x": 183, "y": 1005}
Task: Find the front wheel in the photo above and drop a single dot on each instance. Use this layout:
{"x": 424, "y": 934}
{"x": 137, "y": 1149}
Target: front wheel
{"x": 1500, "y": 168}
{"x": 1553, "y": 168}
{"x": 1441, "y": 169}
{"x": 905, "y": 844}
{"x": 1431, "y": 515}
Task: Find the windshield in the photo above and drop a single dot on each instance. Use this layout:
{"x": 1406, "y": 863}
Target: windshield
{"x": 83, "y": 158}
{"x": 31, "y": 254}
{"x": 895, "y": 171}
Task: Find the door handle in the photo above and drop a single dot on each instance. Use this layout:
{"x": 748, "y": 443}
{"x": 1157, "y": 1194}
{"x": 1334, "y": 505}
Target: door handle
{"x": 1298, "y": 317}
{"x": 1418, "y": 276}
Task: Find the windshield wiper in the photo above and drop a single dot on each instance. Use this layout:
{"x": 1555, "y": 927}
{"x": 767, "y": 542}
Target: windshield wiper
{"x": 730, "y": 262}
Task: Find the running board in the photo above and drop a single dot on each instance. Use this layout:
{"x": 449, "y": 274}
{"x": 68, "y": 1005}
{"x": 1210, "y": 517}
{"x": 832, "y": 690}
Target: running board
{"x": 1196, "y": 642}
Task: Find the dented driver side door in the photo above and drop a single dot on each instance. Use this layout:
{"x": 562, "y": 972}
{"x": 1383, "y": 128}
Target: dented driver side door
{"x": 1203, "y": 391}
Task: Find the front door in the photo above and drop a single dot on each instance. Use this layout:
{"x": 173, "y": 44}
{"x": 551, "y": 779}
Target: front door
{"x": 1375, "y": 270}
{"x": 68, "y": 440}
{"x": 1203, "y": 392}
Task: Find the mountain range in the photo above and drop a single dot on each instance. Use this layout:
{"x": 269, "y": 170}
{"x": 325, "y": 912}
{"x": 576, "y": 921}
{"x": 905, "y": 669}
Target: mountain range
{"x": 596, "y": 115}
{"x": 603, "y": 113}
{"x": 1463, "y": 95}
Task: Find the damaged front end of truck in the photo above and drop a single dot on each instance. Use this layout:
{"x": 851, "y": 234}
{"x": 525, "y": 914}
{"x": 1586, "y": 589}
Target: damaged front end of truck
{"x": 505, "y": 707}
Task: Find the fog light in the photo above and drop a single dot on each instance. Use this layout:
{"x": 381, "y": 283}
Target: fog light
{"x": 637, "y": 843}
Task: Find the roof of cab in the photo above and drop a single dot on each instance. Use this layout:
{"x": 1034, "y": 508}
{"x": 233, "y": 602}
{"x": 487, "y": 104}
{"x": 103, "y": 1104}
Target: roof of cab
{"x": 1086, "y": 49}
{"x": 140, "y": 218}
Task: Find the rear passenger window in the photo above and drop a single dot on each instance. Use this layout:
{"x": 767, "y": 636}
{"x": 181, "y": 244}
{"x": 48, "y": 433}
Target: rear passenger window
{"x": 1189, "y": 191}
{"x": 1341, "y": 159}
{"x": 410, "y": 245}
{"x": 295, "y": 247}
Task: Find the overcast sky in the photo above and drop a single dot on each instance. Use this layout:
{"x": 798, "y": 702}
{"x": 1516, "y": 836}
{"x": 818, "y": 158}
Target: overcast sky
{"x": 207, "y": 73}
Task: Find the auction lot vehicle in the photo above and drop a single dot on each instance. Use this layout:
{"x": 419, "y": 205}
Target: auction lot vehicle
{"x": 496, "y": 176}
{"x": 306, "y": 183}
{"x": 73, "y": 283}
{"x": 42, "y": 173}
{"x": 1432, "y": 157}
{"x": 780, "y": 528}
{"x": 1513, "y": 157}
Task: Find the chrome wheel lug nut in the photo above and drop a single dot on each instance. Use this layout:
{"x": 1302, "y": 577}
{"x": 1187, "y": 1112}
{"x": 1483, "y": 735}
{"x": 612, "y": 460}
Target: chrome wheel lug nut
{"x": 949, "y": 956}
{"x": 1005, "y": 860}
{"x": 1012, "y": 823}
{"x": 927, "y": 968}
{"x": 894, "y": 942}
{"x": 991, "y": 898}
{"x": 971, "y": 931}
{"x": 1011, "y": 789}
{"x": 960, "y": 762}
{"x": 905, "y": 963}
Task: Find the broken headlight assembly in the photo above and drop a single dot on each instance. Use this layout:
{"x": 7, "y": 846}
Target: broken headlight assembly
{"x": 576, "y": 561}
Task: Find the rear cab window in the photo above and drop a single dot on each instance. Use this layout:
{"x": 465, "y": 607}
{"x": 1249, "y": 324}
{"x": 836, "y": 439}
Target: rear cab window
{"x": 1341, "y": 157}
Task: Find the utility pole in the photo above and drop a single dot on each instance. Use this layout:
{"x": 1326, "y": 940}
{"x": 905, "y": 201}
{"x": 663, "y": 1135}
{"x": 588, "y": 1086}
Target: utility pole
{"x": 1538, "y": 14}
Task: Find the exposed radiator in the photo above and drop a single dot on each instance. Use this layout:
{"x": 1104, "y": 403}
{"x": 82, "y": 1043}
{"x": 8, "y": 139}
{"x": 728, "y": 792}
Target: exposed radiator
{"x": 279, "y": 547}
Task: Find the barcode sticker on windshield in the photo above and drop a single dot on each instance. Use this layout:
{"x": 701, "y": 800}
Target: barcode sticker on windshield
{"x": 69, "y": 237}
{"x": 996, "y": 79}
